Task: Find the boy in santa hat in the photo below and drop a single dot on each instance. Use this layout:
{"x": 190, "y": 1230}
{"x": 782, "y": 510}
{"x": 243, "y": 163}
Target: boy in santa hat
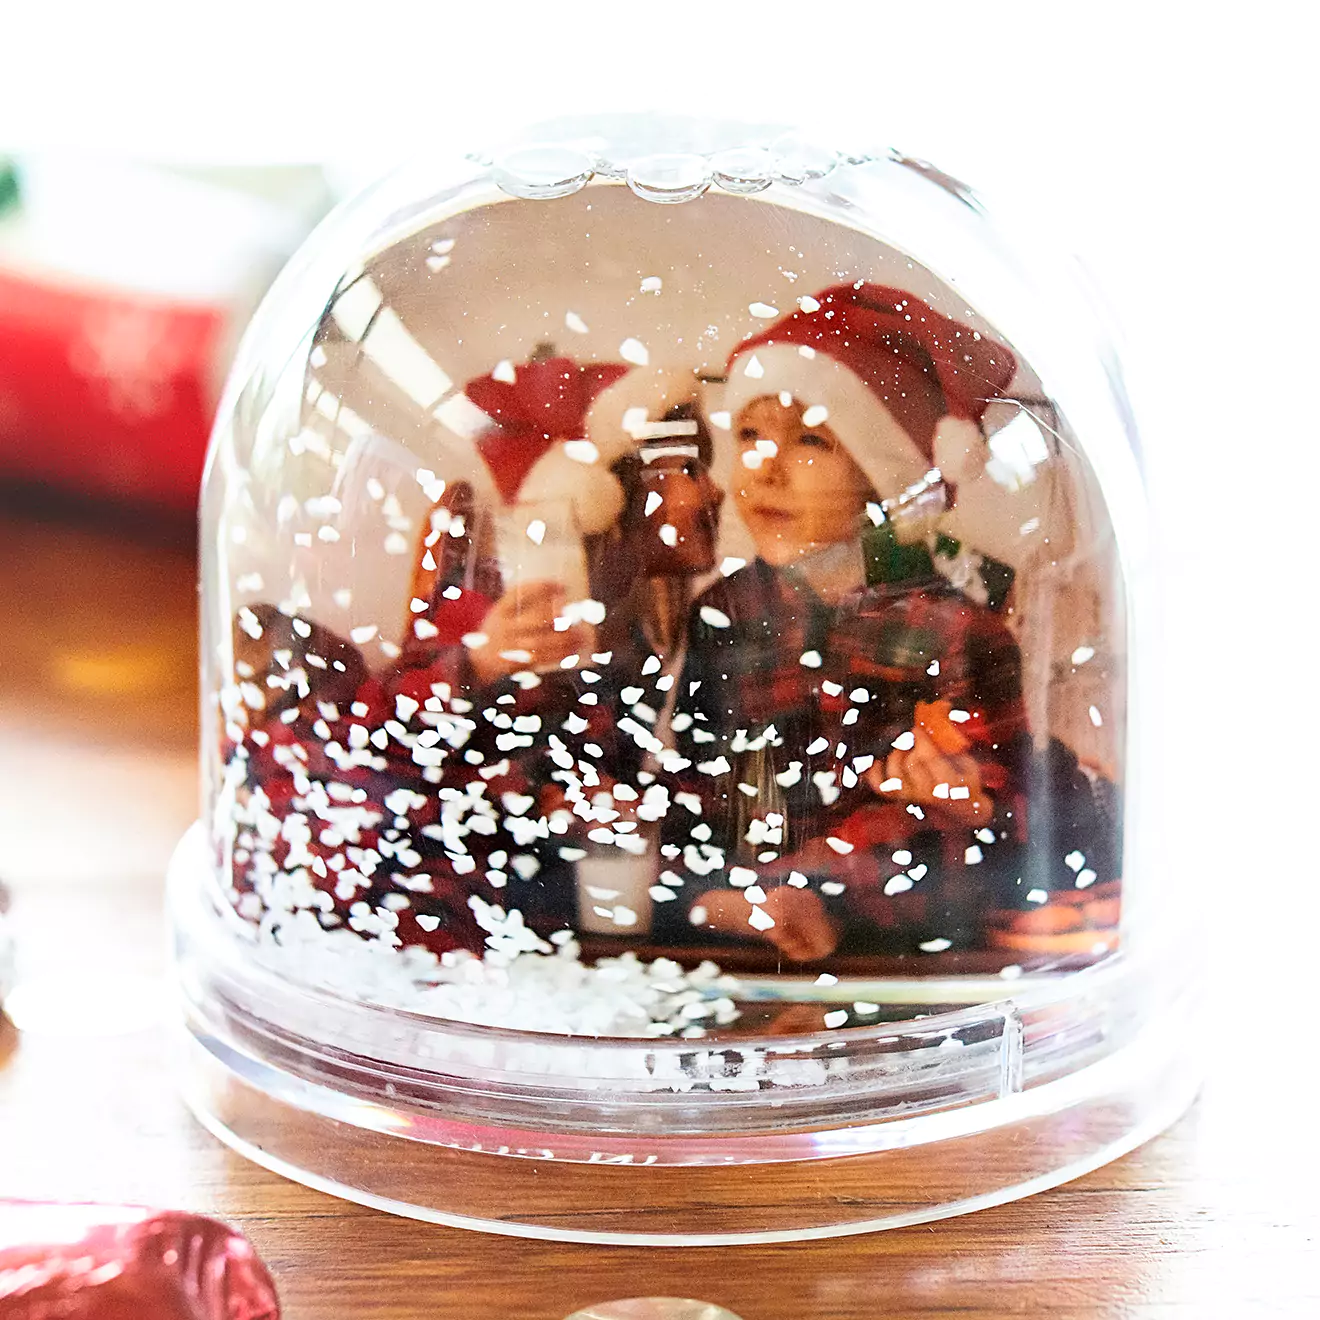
{"x": 858, "y": 749}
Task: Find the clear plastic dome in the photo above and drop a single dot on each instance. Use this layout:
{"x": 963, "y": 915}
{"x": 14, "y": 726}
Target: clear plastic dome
{"x": 672, "y": 604}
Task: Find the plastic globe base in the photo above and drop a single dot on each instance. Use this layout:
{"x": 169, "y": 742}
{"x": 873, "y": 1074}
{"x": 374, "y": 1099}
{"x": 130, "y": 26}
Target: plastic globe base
{"x": 579, "y": 1139}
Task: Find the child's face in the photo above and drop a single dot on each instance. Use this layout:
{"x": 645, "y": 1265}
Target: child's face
{"x": 796, "y": 487}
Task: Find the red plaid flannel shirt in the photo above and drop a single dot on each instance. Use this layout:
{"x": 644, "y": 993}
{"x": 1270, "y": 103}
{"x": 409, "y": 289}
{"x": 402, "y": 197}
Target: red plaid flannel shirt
{"x": 789, "y": 693}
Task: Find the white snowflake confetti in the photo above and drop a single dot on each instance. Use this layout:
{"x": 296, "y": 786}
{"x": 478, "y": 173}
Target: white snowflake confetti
{"x": 581, "y": 451}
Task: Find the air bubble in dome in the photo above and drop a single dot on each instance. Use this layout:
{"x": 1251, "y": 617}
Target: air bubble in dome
{"x": 798, "y": 159}
{"x": 744, "y": 169}
{"x": 542, "y": 173}
{"x": 669, "y": 177}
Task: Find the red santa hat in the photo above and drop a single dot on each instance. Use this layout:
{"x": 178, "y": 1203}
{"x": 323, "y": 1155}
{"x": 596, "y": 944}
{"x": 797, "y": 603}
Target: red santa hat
{"x": 551, "y": 428}
{"x": 903, "y": 386}
{"x": 535, "y": 446}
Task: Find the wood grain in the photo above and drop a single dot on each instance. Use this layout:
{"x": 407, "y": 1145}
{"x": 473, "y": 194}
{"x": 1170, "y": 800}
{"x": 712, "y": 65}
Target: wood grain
{"x": 97, "y": 725}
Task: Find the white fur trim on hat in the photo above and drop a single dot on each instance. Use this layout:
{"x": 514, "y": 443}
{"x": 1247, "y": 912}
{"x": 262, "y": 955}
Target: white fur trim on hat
{"x": 591, "y": 488}
{"x": 618, "y": 415}
{"x": 878, "y": 444}
{"x": 959, "y": 449}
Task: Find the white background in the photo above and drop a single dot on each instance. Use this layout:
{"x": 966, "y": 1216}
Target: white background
{"x": 1172, "y": 146}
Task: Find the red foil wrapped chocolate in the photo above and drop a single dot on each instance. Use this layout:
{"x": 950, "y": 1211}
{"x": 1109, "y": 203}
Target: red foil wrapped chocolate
{"x": 99, "y": 1262}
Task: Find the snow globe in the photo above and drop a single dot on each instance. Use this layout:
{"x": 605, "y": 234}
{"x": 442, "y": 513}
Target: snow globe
{"x": 674, "y": 597}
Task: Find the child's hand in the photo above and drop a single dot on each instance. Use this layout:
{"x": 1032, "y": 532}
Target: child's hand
{"x": 519, "y": 633}
{"x": 947, "y": 782}
{"x": 803, "y": 931}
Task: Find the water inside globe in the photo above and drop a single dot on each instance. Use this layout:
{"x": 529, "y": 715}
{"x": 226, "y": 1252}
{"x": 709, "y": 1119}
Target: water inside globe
{"x": 652, "y": 603}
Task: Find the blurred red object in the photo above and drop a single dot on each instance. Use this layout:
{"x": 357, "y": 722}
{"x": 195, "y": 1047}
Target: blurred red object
{"x": 106, "y": 392}
{"x": 98, "y": 1262}
{"x": 123, "y": 284}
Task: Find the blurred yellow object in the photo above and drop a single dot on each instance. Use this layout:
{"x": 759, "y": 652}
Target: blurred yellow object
{"x": 122, "y": 670}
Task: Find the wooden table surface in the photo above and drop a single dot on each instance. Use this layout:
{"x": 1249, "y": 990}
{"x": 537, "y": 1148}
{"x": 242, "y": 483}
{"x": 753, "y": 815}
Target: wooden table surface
{"x": 1218, "y": 1217}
